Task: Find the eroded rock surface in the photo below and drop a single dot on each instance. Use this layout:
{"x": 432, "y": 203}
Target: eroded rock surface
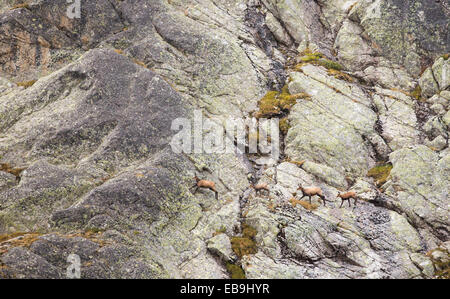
{"x": 86, "y": 166}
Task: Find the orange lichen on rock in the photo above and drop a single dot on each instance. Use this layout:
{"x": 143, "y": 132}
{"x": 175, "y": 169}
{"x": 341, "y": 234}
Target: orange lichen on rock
{"x": 308, "y": 206}
{"x": 21, "y": 5}
{"x": 90, "y": 234}
{"x": 18, "y": 239}
{"x": 26, "y": 84}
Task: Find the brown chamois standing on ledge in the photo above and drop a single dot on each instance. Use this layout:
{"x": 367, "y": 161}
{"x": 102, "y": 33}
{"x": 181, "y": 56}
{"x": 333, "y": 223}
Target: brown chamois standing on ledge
{"x": 5, "y": 167}
{"x": 205, "y": 184}
{"x": 311, "y": 191}
{"x": 260, "y": 187}
{"x": 347, "y": 196}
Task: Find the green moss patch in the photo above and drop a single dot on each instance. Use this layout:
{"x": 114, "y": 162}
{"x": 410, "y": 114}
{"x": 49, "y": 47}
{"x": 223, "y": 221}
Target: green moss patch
{"x": 329, "y": 64}
{"x": 284, "y": 125}
{"x": 317, "y": 58}
{"x": 417, "y": 94}
{"x": 309, "y": 57}
{"x": 246, "y": 244}
{"x": 275, "y": 103}
{"x": 442, "y": 267}
{"x": 340, "y": 75}
{"x": 268, "y": 105}
{"x": 235, "y": 271}
{"x": 26, "y": 84}
{"x": 380, "y": 173}
{"x": 243, "y": 246}
{"x": 248, "y": 231}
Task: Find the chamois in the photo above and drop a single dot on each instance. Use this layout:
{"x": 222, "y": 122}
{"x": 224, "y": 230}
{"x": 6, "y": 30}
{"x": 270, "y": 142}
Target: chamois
{"x": 260, "y": 187}
{"x": 311, "y": 191}
{"x": 205, "y": 184}
{"x": 347, "y": 196}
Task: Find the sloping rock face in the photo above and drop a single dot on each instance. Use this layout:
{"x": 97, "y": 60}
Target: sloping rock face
{"x": 87, "y": 107}
{"x": 419, "y": 28}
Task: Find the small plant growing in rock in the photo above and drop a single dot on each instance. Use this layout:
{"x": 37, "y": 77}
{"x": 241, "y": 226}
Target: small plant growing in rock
{"x": 274, "y": 103}
{"x": 246, "y": 244}
{"x": 380, "y": 173}
{"x": 136, "y": 61}
{"x": 248, "y": 231}
{"x": 417, "y": 93}
{"x": 140, "y": 63}
{"x": 340, "y": 75}
{"x": 306, "y": 205}
{"x": 235, "y": 271}
{"x": 20, "y": 4}
{"x": 308, "y": 56}
{"x": 284, "y": 125}
{"x": 26, "y": 84}
{"x": 119, "y": 51}
{"x": 18, "y": 239}
{"x": 92, "y": 234}
{"x": 298, "y": 163}
{"x": 268, "y": 105}
{"x": 316, "y": 58}
{"x": 441, "y": 262}
{"x": 329, "y": 64}
{"x": 222, "y": 230}
{"x": 272, "y": 207}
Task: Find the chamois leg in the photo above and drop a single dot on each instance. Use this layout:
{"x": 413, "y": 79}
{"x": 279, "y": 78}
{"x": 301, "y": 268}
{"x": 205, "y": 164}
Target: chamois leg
{"x": 196, "y": 189}
{"x": 309, "y": 199}
{"x": 324, "y": 200}
{"x": 342, "y": 202}
{"x": 349, "y": 203}
{"x": 355, "y": 202}
{"x": 215, "y": 191}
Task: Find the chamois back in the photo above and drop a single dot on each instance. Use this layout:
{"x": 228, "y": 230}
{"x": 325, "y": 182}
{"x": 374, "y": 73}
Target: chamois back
{"x": 205, "y": 184}
{"x": 346, "y": 195}
{"x": 261, "y": 186}
{"x": 311, "y": 191}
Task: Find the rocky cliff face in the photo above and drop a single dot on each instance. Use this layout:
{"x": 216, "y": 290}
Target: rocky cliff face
{"x": 86, "y": 166}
